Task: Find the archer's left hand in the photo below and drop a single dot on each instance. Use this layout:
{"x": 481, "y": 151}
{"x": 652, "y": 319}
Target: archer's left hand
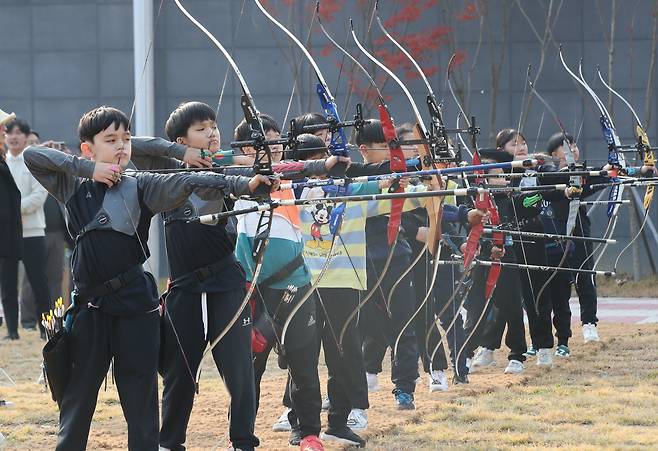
{"x": 477, "y": 217}
{"x": 572, "y": 192}
{"x": 497, "y": 253}
{"x": 334, "y": 160}
{"x": 257, "y": 180}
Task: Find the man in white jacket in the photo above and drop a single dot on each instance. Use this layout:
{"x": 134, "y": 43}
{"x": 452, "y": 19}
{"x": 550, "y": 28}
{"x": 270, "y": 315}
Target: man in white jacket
{"x": 33, "y": 196}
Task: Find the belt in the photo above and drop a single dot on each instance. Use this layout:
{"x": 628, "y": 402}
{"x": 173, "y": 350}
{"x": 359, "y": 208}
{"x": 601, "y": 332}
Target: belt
{"x": 199, "y": 275}
{"x": 112, "y": 285}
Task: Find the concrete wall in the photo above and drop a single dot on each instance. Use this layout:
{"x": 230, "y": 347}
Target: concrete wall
{"x": 60, "y": 58}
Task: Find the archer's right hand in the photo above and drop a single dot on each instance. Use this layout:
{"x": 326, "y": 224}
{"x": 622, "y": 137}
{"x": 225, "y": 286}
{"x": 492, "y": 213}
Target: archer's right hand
{"x": 107, "y": 173}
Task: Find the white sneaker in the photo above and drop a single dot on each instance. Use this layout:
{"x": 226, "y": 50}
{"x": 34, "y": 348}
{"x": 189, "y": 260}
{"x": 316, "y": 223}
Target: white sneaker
{"x": 357, "y": 420}
{"x": 438, "y": 381}
{"x": 483, "y": 358}
{"x": 590, "y": 333}
{"x": 373, "y": 382}
{"x": 514, "y": 367}
{"x": 326, "y": 404}
{"x": 282, "y": 424}
{"x": 545, "y": 358}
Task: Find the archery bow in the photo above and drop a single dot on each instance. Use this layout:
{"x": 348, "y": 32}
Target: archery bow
{"x": 262, "y": 165}
{"x": 648, "y": 159}
{"x": 574, "y": 180}
{"x": 615, "y": 159}
{"x": 337, "y": 146}
{"x": 434, "y": 210}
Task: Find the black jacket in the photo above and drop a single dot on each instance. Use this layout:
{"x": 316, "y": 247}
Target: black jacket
{"x": 11, "y": 227}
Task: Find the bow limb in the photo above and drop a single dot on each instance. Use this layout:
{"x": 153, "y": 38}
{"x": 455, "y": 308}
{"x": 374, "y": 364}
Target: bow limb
{"x": 262, "y": 165}
{"x": 574, "y": 204}
{"x": 481, "y": 202}
{"x": 397, "y": 160}
{"x": 615, "y": 159}
{"x": 648, "y": 160}
{"x": 426, "y": 156}
{"x": 338, "y": 145}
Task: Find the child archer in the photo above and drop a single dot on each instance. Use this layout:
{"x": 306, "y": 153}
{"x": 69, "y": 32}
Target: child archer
{"x": 116, "y": 301}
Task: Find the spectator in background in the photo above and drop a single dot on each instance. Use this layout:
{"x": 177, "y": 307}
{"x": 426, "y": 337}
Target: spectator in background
{"x": 33, "y": 138}
{"x": 33, "y": 196}
{"x": 11, "y": 233}
{"x": 56, "y": 238}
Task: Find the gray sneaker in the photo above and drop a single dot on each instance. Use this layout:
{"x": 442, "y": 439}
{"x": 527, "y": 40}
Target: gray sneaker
{"x": 545, "y": 358}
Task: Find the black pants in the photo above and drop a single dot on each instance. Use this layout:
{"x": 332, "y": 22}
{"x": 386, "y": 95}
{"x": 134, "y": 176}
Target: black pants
{"x": 346, "y": 385}
{"x": 133, "y": 342}
{"x": 180, "y": 361}
{"x": 420, "y": 280}
{"x": 506, "y": 310}
{"x": 54, "y": 266}
{"x": 560, "y": 290}
{"x": 538, "y": 310}
{"x": 379, "y": 332}
{"x": 301, "y": 356}
{"x": 444, "y": 287}
{"x": 585, "y": 283}
{"x": 9, "y": 293}
{"x": 34, "y": 260}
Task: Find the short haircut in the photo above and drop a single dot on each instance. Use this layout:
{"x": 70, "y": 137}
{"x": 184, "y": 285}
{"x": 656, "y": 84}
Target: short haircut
{"x": 32, "y": 132}
{"x": 309, "y": 145}
{"x": 555, "y": 141}
{"x": 307, "y": 119}
{"x": 404, "y": 129}
{"x": 370, "y": 133}
{"x": 506, "y": 135}
{"x": 243, "y": 130}
{"x": 95, "y": 121}
{"x": 186, "y": 114}
{"x": 20, "y": 124}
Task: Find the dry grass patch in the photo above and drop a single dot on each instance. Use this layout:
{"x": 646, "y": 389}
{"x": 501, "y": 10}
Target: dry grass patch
{"x": 605, "y": 396}
{"x": 623, "y": 286}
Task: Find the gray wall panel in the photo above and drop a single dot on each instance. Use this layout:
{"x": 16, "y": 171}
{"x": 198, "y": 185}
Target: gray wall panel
{"x": 62, "y": 57}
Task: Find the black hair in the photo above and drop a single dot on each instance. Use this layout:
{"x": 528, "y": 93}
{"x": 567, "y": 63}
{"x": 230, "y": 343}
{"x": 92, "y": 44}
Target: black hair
{"x": 186, "y": 114}
{"x": 33, "y": 132}
{"x": 307, "y": 119}
{"x": 404, "y": 129}
{"x": 495, "y": 155}
{"x": 95, "y": 121}
{"x": 556, "y": 141}
{"x": 243, "y": 130}
{"x": 309, "y": 145}
{"x": 506, "y": 135}
{"x": 20, "y": 124}
{"x": 370, "y": 133}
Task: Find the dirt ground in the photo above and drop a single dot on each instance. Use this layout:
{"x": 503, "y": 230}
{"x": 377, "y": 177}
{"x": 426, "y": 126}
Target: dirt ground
{"x": 605, "y": 396}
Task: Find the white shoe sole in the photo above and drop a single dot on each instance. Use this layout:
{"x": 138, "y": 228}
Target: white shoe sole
{"x": 281, "y": 428}
{"x": 333, "y": 438}
{"x": 436, "y": 388}
{"x": 474, "y": 367}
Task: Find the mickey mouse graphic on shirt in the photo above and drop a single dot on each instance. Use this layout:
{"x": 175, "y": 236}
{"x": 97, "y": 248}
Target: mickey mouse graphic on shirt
{"x": 321, "y": 218}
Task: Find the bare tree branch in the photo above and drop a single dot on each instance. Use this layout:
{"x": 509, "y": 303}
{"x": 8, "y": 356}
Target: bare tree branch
{"x": 648, "y": 104}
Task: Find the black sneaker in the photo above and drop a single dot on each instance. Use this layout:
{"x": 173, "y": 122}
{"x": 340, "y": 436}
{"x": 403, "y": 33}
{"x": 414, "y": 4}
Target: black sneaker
{"x": 295, "y": 437}
{"x": 11, "y": 336}
{"x": 343, "y": 435}
{"x": 460, "y": 379}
